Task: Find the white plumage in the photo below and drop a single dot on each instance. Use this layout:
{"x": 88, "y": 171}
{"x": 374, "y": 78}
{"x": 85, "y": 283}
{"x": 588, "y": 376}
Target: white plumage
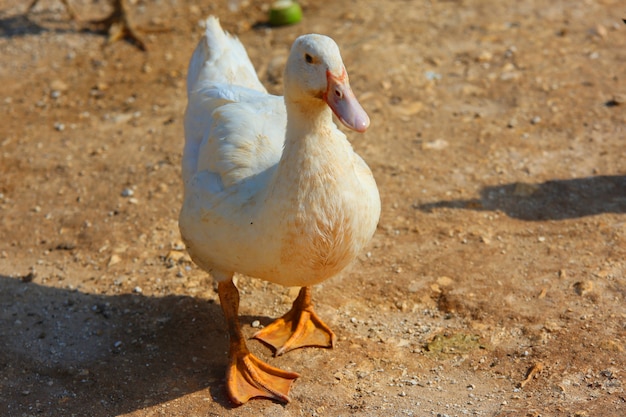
{"x": 273, "y": 189}
{"x": 293, "y": 212}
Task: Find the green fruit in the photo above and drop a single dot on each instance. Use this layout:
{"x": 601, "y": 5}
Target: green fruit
{"x": 285, "y": 12}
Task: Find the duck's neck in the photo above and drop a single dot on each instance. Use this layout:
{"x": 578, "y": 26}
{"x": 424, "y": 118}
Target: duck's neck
{"x": 307, "y": 118}
{"x": 309, "y": 132}
{"x": 314, "y": 152}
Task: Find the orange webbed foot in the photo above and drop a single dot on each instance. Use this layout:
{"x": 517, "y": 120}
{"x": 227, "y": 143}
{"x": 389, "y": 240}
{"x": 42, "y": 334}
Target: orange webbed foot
{"x": 249, "y": 377}
{"x": 299, "y": 327}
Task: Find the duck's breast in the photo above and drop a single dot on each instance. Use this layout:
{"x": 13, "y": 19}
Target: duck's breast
{"x": 326, "y": 222}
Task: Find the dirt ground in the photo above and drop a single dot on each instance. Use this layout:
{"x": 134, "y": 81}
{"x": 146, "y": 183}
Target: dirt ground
{"x": 494, "y": 286}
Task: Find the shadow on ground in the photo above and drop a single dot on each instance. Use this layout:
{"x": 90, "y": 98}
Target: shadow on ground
{"x": 31, "y": 24}
{"x": 551, "y": 200}
{"x": 65, "y": 352}
{"x": 38, "y": 23}
{"x": 19, "y": 25}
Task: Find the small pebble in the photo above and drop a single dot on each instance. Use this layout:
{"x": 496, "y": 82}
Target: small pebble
{"x": 583, "y": 287}
{"x": 127, "y": 192}
{"x": 137, "y": 290}
{"x": 114, "y": 259}
{"x": 509, "y": 76}
{"x": 256, "y": 324}
{"x": 432, "y": 75}
{"x": 59, "y": 85}
{"x": 485, "y": 56}
{"x": 535, "y": 120}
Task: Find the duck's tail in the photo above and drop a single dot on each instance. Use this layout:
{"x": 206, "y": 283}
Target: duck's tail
{"x": 218, "y": 70}
{"x": 220, "y": 58}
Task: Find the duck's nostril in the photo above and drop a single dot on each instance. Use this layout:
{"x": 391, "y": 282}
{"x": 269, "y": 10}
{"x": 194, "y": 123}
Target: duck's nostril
{"x": 338, "y": 93}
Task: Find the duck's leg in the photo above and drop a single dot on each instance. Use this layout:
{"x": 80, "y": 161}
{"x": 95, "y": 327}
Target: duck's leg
{"x": 299, "y": 327}
{"x": 247, "y": 376}
{"x": 119, "y": 26}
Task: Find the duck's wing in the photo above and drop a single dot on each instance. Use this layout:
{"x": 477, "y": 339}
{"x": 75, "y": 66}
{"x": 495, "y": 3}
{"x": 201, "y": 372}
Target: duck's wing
{"x": 245, "y": 138}
{"x": 233, "y": 128}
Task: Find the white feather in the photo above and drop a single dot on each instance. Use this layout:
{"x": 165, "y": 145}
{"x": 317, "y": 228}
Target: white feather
{"x": 284, "y": 200}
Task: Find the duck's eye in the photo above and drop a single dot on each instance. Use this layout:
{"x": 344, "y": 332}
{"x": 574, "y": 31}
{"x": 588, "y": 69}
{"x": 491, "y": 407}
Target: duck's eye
{"x": 308, "y": 58}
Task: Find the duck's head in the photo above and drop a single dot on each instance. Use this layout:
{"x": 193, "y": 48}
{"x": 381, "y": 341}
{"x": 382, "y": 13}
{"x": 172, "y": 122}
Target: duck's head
{"x": 315, "y": 72}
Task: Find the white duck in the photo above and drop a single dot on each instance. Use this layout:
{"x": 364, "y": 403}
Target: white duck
{"x": 273, "y": 189}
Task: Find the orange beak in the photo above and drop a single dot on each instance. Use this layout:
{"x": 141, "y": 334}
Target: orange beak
{"x": 341, "y": 100}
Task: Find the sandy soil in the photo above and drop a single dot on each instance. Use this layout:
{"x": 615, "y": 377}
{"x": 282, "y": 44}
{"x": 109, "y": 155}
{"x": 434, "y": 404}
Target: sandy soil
{"x": 495, "y": 285}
